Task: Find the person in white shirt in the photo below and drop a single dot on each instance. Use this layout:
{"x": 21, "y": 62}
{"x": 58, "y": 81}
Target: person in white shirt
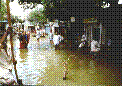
{"x": 43, "y": 31}
{"x": 83, "y": 41}
{"x": 56, "y": 40}
{"x": 94, "y": 46}
{"x": 60, "y": 37}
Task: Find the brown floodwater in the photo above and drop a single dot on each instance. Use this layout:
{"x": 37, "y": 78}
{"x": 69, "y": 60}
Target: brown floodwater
{"x": 41, "y": 65}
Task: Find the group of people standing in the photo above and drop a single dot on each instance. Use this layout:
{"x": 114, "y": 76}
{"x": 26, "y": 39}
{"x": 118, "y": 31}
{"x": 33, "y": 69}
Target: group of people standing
{"x": 55, "y": 39}
{"x": 24, "y": 39}
{"x": 40, "y": 32}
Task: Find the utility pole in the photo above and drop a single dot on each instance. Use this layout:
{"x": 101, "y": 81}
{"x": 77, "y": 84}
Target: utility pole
{"x": 91, "y": 34}
{"x": 8, "y": 13}
{"x": 85, "y": 29}
{"x": 100, "y": 33}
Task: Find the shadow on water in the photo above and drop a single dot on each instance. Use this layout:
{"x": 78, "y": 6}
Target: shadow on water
{"x": 29, "y": 66}
{"x": 82, "y": 71}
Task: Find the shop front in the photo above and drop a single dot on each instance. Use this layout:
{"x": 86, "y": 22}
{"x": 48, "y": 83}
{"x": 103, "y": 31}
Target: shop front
{"x": 94, "y": 33}
{"x": 2, "y": 32}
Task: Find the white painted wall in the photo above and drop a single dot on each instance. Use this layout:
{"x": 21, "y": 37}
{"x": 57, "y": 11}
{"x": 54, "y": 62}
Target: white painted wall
{"x": 26, "y": 24}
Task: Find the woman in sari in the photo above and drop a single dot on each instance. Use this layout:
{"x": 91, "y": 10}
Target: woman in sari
{"x": 23, "y": 40}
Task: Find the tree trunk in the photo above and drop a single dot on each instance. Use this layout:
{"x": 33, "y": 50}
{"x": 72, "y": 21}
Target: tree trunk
{"x": 11, "y": 41}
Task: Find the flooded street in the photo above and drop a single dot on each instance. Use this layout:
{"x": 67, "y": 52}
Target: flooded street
{"x": 61, "y": 42}
{"x": 41, "y": 65}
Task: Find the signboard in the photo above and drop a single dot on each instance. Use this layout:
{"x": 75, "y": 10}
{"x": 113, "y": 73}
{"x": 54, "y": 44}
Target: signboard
{"x": 72, "y": 19}
{"x": 90, "y": 20}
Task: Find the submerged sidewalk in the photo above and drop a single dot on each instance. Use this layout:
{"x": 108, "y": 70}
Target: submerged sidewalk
{"x": 6, "y": 76}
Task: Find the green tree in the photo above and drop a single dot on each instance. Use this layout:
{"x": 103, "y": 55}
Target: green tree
{"x": 33, "y": 3}
{"x": 37, "y": 16}
{"x": 14, "y": 19}
{"x": 21, "y": 21}
{"x": 3, "y": 11}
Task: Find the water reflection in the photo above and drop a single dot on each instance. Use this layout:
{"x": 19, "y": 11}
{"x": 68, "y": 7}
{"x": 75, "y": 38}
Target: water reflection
{"x": 30, "y": 68}
{"x": 42, "y": 66}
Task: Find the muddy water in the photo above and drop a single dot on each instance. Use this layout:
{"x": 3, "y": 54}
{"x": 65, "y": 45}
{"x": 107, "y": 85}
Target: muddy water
{"x": 41, "y": 65}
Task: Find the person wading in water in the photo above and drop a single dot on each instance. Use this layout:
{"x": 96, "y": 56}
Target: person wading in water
{"x": 38, "y": 35}
{"x": 23, "y": 40}
{"x": 65, "y": 65}
{"x": 51, "y": 38}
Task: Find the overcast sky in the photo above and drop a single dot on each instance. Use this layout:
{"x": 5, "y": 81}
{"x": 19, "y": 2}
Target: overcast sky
{"x": 17, "y": 9}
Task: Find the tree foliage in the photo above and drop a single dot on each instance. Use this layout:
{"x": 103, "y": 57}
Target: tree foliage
{"x": 37, "y": 16}
{"x": 33, "y": 3}
{"x": 3, "y": 11}
{"x": 14, "y": 19}
{"x": 21, "y": 21}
